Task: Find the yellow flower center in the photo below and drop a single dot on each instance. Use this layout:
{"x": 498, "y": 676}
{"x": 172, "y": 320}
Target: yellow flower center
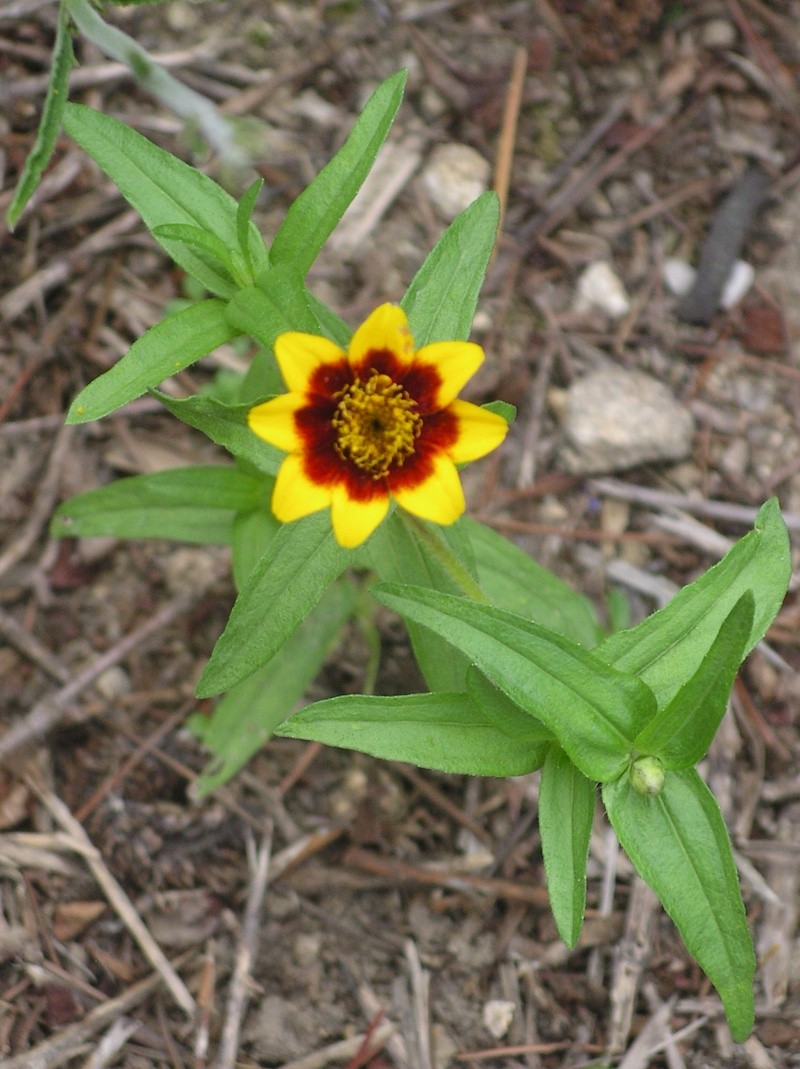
{"x": 377, "y": 424}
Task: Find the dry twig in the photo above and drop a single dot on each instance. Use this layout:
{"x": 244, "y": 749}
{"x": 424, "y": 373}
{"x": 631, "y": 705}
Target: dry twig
{"x": 115, "y": 894}
{"x": 71, "y": 1040}
{"x": 239, "y": 994}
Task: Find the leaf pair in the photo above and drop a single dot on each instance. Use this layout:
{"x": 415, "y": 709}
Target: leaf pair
{"x": 660, "y": 688}
{"x": 209, "y": 235}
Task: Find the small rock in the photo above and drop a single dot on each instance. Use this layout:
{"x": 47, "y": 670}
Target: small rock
{"x": 307, "y": 947}
{"x": 615, "y": 419}
{"x": 445, "y": 1047}
{"x": 678, "y": 276}
{"x": 739, "y": 282}
{"x": 113, "y": 683}
{"x": 182, "y": 566}
{"x": 735, "y": 459}
{"x": 599, "y": 287}
{"x": 719, "y": 33}
{"x": 280, "y": 1030}
{"x": 181, "y": 16}
{"x": 498, "y": 1014}
{"x": 454, "y": 177}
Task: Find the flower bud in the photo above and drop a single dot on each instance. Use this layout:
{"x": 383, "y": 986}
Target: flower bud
{"x": 647, "y": 775}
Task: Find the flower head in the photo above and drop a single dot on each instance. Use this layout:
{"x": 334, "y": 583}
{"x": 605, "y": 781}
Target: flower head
{"x": 376, "y": 422}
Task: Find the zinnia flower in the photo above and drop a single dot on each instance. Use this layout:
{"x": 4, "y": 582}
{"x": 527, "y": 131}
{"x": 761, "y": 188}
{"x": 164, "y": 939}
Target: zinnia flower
{"x": 379, "y": 421}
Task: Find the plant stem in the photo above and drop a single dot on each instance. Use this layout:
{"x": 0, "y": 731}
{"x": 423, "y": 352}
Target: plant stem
{"x": 444, "y": 555}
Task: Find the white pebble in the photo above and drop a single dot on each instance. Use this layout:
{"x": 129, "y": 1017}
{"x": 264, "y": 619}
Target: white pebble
{"x": 498, "y": 1014}
{"x": 113, "y": 683}
{"x": 454, "y": 177}
{"x": 678, "y": 276}
{"x": 739, "y": 282}
{"x": 599, "y": 287}
{"x": 719, "y": 33}
{"x": 615, "y": 419}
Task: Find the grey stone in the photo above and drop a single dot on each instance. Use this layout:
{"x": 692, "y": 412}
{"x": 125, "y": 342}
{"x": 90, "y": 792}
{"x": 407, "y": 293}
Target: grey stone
{"x": 615, "y": 419}
{"x": 454, "y": 177}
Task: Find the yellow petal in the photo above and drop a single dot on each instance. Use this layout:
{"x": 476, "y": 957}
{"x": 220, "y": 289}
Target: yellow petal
{"x": 385, "y": 328}
{"x": 274, "y": 421}
{"x": 455, "y": 361}
{"x": 479, "y": 432}
{"x": 440, "y": 498}
{"x": 354, "y": 521}
{"x": 299, "y": 356}
{"x": 295, "y": 495}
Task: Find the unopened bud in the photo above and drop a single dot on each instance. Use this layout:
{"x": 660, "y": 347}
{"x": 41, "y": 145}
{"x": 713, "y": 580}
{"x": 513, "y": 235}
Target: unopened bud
{"x": 647, "y": 775}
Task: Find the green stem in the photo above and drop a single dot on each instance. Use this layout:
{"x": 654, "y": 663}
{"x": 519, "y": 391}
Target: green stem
{"x": 443, "y": 554}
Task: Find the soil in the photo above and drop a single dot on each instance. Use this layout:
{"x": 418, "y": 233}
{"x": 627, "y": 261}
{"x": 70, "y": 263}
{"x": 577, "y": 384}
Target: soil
{"x": 397, "y": 896}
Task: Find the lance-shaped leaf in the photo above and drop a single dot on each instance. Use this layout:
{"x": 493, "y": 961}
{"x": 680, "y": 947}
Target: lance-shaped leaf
{"x": 186, "y": 504}
{"x": 249, "y": 713}
{"x": 514, "y": 581}
{"x": 668, "y": 647}
{"x": 501, "y": 708}
{"x": 313, "y": 216}
{"x": 227, "y": 426}
{"x": 440, "y": 302}
{"x": 244, "y": 214}
{"x": 250, "y": 538}
{"x": 302, "y": 560}
{"x": 566, "y": 812}
{"x": 445, "y": 731}
{"x": 50, "y": 121}
{"x": 682, "y": 731}
{"x": 168, "y": 347}
{"x": 164, "y": 190}
{"x": 394, "y": 554}
{"x": 679, "y": 844}
{"x": 594, "y": 711}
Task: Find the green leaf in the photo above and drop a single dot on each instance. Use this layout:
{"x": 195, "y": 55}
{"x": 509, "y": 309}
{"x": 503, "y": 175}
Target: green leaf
{"x": 566, "y": 813}
{"x": 681, "y": 732}
{"x": 669, "y": 646}
{"x": 502, "y": 409}
{"x": 595, "y": 712}
{"x": 277, "y": 304}
{"x": 500, "y": 708}
{"x": 331, "y": 324}
{"x": 249, "y": 713}
{"x": 514, "y": 581}
{"x": 164, "y": 189}
{"x": 618, "y": 609}
{"x": 678, "y": 842}
{"x": 250, "y": 538}
{"x": 227, "y": 426}
{"x": 50, "y": 122}
{"x": 444, "y": 731}
{"x": 395, "y": 555}
{"x": 186, "y": 504}
{"x": 440, "y": 302}
{"x": 211, "y": 250}
{"x": 301, "y": 561}
{"x": 262, "y": 379}
{"x": 244, "y": 214}
{"x": 169, "y": 346}
{"x": 313, "y": 216}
